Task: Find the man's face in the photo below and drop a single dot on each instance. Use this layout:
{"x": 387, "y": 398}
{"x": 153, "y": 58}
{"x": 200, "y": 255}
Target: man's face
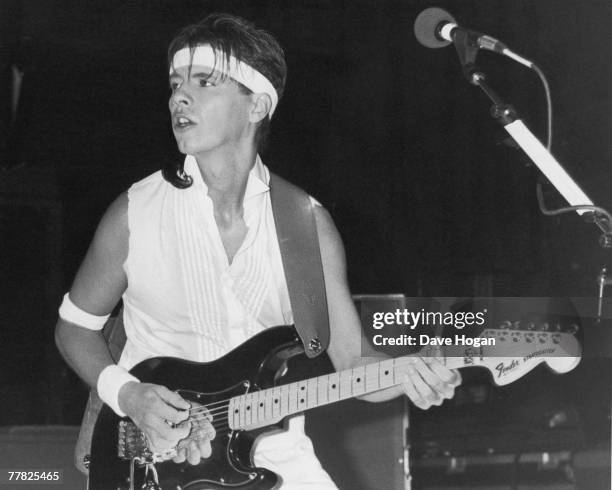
{"x": 207, "y": 112}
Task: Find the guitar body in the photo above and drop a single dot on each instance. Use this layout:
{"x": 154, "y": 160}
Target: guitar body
{"x": 254, "y": 365}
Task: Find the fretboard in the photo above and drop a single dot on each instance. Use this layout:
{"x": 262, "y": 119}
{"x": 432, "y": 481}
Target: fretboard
{"x": 264, "y": 407}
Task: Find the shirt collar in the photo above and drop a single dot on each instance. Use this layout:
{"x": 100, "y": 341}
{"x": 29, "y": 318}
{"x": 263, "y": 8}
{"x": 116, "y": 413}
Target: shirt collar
{"x": 257, "y": 183}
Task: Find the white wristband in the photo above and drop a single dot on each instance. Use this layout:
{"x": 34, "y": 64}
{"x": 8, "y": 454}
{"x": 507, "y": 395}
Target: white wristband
{"x": 72, "y": 313}
{"x": 110, "y": 381}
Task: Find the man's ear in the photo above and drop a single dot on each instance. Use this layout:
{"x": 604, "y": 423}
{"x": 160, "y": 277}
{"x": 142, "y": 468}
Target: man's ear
{"x": 262, "y": 103}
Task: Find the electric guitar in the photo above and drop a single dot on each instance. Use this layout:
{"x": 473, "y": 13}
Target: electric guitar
{"x": 240, "y": 395}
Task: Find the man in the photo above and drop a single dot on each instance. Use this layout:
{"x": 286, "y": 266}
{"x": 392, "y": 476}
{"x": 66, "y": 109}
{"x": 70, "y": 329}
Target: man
{"x": 193, "y": 253}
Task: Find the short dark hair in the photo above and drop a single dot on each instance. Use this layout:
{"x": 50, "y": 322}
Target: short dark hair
{"x": 232, "y": 36}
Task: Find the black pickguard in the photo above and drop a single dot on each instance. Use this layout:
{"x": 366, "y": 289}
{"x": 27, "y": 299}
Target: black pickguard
{"x": 256, "y": 364}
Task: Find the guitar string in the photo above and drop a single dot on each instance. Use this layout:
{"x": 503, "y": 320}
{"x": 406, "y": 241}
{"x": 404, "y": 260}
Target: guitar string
{"x": 221, "y": 408}
{"x": 220, "y": 416}
{"x": 219, "y": 422}
{"x": 224, "y": 404}
{"x": 203, "y": 413}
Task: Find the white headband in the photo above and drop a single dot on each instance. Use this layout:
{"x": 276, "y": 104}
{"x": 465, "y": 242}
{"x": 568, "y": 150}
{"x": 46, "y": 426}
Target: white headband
{"x": 239, "y": 71}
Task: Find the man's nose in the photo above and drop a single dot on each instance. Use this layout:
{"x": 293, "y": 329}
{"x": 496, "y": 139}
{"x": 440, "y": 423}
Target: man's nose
{"x": 180, "y": 97}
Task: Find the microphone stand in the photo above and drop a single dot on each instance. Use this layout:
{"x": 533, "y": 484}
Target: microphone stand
{"x": 467, "y": 48}
{"x": 506, "y": 115}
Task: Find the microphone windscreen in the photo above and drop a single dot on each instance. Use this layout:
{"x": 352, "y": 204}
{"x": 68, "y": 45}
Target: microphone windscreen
{"x": 427, "y": 24}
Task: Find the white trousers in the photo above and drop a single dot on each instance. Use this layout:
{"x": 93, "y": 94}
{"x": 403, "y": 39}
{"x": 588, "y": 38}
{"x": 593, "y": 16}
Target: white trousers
{"x": 290, "y": 454}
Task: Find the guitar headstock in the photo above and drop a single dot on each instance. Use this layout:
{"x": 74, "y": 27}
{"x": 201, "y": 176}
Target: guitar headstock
{"x": 516, "y": 351}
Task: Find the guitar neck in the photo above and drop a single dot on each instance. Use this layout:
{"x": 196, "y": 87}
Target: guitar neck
{"x": 265, "y": 407}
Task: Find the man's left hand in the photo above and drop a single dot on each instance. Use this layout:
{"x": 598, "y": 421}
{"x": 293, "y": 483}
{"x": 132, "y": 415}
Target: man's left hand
{"x": 428, "y": 382}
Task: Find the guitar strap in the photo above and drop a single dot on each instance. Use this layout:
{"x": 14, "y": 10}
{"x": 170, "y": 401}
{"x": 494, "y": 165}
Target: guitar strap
{"x": 298, "y": 240}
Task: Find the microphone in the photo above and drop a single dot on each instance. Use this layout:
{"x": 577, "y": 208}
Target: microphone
{"x": 436, "y": 28}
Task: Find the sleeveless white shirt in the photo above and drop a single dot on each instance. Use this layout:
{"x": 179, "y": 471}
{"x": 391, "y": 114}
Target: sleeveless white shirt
{"x": 183, "y": 297}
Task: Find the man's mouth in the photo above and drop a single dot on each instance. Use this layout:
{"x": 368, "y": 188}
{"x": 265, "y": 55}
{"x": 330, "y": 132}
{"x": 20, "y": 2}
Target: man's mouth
{"x": 181, "y": 122}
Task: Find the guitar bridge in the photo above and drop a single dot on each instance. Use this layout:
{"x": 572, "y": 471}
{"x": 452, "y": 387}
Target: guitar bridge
{"x": 132, "y": 443}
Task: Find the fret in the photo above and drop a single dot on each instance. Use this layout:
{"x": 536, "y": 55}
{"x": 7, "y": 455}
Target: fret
{"x": 398, "y": 370}
{"x": 276, "y": 402}
{"x": 372, "y": 382}
{"x": 322, "y": 390}
{"x": 302, "y": 395}
{"x": 241, "y": 411}
{"x": 385, "y": 373}
{"x": 358, "y": 381}
{"x": 248, "y": 414}
{"x": 254, "y": 406}
{"x": 345, "y": 384}
{"x": 261, "y": 407}
{"x": 312, "y": 392}
{"x": 293, "y": 397}
{"x": 269, "y": 403}
{"x": 333, "y": 387}
{"x": 234, "y": 418}
{"x": 284, "y": 400}
{"x": 401, "y": 368}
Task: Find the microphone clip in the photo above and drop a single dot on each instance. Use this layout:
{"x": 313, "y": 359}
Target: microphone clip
{"x": 466, "y": 44}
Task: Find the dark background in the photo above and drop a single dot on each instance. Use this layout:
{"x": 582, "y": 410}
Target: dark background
{"x": 430, "y": 198}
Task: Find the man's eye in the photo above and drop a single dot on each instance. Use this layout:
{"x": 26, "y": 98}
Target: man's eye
{"x": 206, "y": 83}
{"x": 173, "y": 86}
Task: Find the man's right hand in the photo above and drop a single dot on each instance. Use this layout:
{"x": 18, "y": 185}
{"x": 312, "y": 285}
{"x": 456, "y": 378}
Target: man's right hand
{"x": 163, "y": 417}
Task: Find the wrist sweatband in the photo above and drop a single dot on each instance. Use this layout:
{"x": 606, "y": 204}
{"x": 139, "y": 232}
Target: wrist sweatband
{"x": 72, "y": 313}
{"x": 110, "y": 381}
{"x": 205, "y": 55}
